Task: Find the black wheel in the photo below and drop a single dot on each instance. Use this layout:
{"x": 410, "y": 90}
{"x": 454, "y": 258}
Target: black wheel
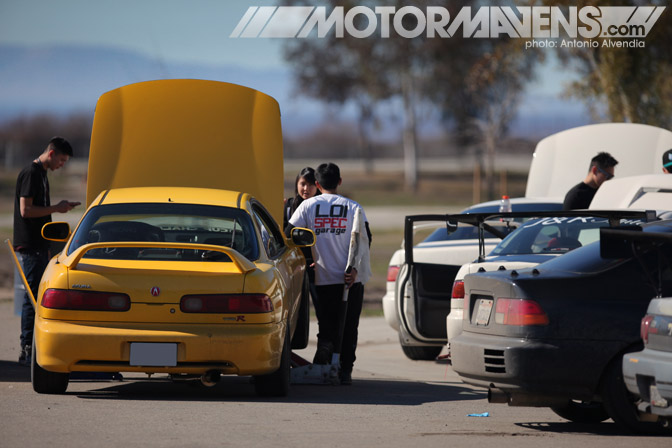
{"x": 45, "y": 382}
{"x": 621, "y": 405}
{"x": 276, "y": 384}
{"x": 421, "y": 353}
{"x": 582, "y": 412}
{"x": 300, "y": 338}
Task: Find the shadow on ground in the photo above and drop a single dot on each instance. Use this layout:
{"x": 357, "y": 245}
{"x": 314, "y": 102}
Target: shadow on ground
{"x": 13, "y": 372}
{"x": 363, "y": 391}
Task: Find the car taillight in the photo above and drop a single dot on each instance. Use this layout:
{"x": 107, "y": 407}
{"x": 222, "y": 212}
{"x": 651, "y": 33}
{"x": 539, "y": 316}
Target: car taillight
{"x": 645, "y": 328}
{"x": 458, "y": 290}
{"x": 68, "y": 299}
{"x": 519, "y": 312}
{"x": 226, "y": 303}
{"x": 392, "y": 272}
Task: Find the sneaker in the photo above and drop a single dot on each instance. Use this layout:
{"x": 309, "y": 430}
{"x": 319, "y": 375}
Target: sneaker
{"x": 323, "y": 353}
{"x": 26, "y": 355}
{"x": 346, "y": 378}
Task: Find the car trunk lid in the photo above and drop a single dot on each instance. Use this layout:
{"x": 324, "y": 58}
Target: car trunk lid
{"x": 155, "y": 290}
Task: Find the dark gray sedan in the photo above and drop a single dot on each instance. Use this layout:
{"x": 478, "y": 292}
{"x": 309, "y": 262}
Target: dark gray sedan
{"x": 555, "y": 335}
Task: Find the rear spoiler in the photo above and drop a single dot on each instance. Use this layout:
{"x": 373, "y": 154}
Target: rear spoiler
{"x": 631, "y": 242}
{"x": 620, "y": 243}
{"x": 242, "y": 264}
{"x": 479, "y": 220}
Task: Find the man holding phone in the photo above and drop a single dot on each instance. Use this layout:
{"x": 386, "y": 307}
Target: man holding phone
{"x": 32, "y": 210}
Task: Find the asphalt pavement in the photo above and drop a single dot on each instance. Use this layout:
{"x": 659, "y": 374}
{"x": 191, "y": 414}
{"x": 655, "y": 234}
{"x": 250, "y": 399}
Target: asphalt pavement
{"x": 393, "y": 402}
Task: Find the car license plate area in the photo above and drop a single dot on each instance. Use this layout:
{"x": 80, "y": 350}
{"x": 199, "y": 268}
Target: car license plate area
{"x": 153, "y": 354}
{"x": 482, "y": 314}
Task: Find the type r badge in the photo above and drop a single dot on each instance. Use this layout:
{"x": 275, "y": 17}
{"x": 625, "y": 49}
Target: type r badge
{"x": 155, "y": 291}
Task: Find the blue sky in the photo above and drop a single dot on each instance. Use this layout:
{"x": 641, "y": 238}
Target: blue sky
{"x": 172, "y": 30}
{"x": 187, "y": 31}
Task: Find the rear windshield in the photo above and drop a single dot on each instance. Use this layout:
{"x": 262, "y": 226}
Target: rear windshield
{"x": 462, "y": 233}
{"x": 471, "y": 232}
{"x": 554, "y": 235}
{"x": 176, "y": 223}
{"x": 517, "y": 207}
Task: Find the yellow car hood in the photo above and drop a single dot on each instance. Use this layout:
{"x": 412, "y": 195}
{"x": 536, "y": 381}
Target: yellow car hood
{"x": 188, "y": 133}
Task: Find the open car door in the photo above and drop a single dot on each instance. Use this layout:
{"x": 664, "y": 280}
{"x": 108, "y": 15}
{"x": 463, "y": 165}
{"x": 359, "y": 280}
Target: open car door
{"x": 425, "y": 280}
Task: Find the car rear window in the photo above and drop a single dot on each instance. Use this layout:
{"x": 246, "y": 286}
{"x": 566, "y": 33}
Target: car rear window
{"x": 556, "y": 235}
{"x": 518, "y": 207}
{"x": 175, "y": 223}
{"x": 471, "y": 232}
{"x": 462, "y": 233}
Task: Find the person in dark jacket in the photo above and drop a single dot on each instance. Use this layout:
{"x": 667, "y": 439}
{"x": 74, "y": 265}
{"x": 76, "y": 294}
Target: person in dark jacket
{"x": 304, "y": 188}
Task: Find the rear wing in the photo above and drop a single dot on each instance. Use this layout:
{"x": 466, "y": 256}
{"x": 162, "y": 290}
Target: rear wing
{"x": 242, "y": 264}
{"x": 632, "y": 242}
{"x": 480, "y": 220}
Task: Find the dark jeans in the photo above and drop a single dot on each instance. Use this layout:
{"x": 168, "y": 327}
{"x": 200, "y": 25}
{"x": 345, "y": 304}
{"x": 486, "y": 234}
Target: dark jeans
{"x": 327, "y": 302}
{"x": 34, "y": 262}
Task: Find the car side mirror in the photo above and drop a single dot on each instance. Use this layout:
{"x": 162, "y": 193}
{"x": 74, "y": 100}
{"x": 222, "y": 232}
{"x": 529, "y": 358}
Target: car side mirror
{"x": 56, "y": 231}
{"x": 303, "y": 237}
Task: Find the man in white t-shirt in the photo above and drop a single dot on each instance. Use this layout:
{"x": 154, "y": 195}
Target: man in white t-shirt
{"x": 331, "y": 216}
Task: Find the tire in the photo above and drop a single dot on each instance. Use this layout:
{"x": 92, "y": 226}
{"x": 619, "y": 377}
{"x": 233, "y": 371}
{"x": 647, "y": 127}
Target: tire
{"x": 421, "y": 353}
{"x": 621, "y": 405}
{"x": 300, "y": 338}
{"x": 45, "y": 382}
{"x": 582, "y": 412}
{"x": 276, "y": 384}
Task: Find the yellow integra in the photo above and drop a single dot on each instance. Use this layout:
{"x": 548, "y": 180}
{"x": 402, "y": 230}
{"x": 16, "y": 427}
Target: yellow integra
{"x": 178, "y": 265}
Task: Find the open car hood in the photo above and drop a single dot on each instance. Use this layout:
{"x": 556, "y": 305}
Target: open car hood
{"x": 188, "y": 133}
{"x": 561, "y": 160}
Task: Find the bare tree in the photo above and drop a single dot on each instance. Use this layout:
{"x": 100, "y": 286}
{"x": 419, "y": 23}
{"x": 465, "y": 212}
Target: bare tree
{"x": 475, "y": 82}
{"x": 22, "y": 138}
{"x": 366, "y": 71}
{"x": 479, "y": 88}
{"x": 630, "y": 84}
{"x": 496, "y": 83}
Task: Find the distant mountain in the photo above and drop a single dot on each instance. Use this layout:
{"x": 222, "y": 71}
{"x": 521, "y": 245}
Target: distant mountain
{"x": 65, "y": 79}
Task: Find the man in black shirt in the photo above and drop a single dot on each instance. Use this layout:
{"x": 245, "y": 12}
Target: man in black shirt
{"x": 581, "y": 195}
{"x": 33, "y": 209}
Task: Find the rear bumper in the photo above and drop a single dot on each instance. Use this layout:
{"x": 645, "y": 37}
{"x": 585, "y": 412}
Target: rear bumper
{"x": 390, "y": 307}
{"x": 648, "y": 374}
{"x": 454, "y": 319}
{"x": 547, "y": 369}
{"x": 249, "y": 349}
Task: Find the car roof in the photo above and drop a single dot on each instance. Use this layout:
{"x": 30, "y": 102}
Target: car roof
{"x": 517, "y": 205}
{"x": 188, "y": 133}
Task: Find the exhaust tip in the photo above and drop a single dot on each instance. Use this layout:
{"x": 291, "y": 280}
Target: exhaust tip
{"x": 496, "y": 395}
{"x": 210, "y": 378}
